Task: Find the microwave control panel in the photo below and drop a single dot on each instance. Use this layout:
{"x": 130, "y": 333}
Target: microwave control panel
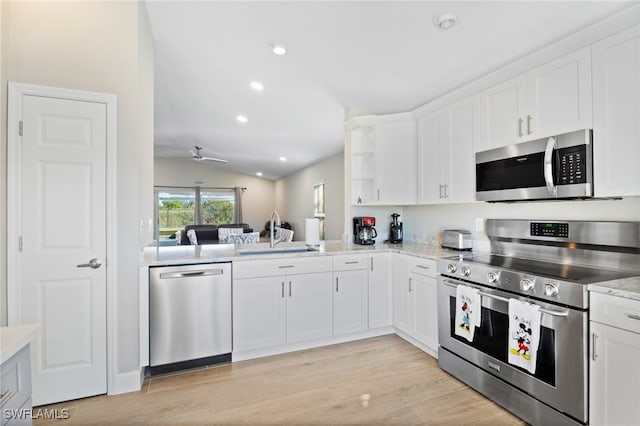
{"x": 572, "y": 165}
{"x": 550, "y": 229}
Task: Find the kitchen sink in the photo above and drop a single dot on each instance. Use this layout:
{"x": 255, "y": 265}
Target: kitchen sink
{"x": 267, "y": 250}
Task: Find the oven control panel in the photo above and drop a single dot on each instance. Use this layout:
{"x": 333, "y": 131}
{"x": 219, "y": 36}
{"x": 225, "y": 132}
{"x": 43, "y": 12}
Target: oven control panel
{"x": 550, "y": 229}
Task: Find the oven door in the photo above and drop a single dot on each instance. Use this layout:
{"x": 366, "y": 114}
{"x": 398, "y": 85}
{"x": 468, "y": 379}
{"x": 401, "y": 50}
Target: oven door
{"x": 560, "y": 380}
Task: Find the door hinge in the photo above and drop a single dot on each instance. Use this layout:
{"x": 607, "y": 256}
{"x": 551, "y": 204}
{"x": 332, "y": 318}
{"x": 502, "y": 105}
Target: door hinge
{"x": 20, "y": 243}
{"x": 20, "y": 127}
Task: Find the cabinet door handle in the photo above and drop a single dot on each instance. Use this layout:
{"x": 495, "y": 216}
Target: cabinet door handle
{"x": 283, "y": 289}
{"x": 371, "y": 262}
{"x": 440, "y": 190}
{"x": 445, "y": 190}
{"x": 520, "y": 121}
{"x": 410, "y": 289}
{"x": 423, "y": 266}
{"x": 337, "y": 288}
{"x": 353, "y": 262}
{"x": 378, "y": 194}
{"x": 634, "y": 316}
{"x": 529, "y": 118}
{"x": 289, "y": 288}
{"x": 594, "y": 338}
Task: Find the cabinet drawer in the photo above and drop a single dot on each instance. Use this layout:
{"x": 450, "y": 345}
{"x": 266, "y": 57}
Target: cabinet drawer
{"x": 616, "y": 311}
{"x": 284, "y": 266}
{"x": 421, "y": 266}
{"x": 350, "y": 262}
{"x": 15, "y": 383}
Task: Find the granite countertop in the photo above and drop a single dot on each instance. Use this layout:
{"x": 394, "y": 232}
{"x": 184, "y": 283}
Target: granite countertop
{"x": 14, "y": 338}
{"x": 628, "y": 288}
{"x": 181, "y": 255}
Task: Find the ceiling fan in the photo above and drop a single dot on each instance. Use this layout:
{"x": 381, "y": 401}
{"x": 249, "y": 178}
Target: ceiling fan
{"x": 195, "y": 153}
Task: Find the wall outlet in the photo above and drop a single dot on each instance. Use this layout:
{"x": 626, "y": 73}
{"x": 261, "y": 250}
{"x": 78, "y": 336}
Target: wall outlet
{"x": 479, "y": 224}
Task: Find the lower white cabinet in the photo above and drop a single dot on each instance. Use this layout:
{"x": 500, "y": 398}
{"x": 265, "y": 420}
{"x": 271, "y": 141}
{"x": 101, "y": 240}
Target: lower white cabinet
{"x": 271, "y": 311}
{"x": 614, "y": 373}
{"x": 414, "y": 299}
{"x": 350, "y": 301}
{"x": 379, "y": 290}
{"x": 15, "y": 389}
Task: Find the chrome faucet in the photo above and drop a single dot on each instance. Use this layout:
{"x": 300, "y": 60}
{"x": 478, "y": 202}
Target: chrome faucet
{"x": 272, "y": 225}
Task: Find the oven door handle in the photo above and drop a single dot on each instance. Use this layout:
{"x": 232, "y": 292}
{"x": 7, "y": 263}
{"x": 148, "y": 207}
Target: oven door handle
{"x": 504, "y": 299}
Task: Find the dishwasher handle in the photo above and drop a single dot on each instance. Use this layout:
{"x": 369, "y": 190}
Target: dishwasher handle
{"x": 188, "y": 274}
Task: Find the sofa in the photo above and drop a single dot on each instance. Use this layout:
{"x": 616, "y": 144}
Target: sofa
{"x": 208, "y": 234}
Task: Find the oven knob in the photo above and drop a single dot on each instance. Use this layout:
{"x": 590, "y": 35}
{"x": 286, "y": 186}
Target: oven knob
{"x": 550, "y": 289}
{"x": 527, "y": 284}
{"x": 451, "y": 268}
{"x": 492, "y": 277}
{"x": 465, "y": 271}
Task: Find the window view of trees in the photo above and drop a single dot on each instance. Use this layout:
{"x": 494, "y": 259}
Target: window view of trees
{"x": 179, "y": 207}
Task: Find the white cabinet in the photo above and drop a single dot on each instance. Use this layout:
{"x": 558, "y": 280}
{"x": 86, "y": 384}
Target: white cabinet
{"x": 259, "y": 313}
{"x": 616, "y": 108}
{"x": 614, "y": 395}
{"x": 415, "y": 306}
{"x": 379, "y": 290}
{"x": 553, "y": 98}
{"x": 15, "y": 389}
{"x": 271, "y": 309}
{"x": 350, "y": 301}
{"x": 447, "y": 163}
{"x": 383, "y": 160}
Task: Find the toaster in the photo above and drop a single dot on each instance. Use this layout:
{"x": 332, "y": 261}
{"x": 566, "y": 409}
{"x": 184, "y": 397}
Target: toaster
{"x": 457, "y": 239}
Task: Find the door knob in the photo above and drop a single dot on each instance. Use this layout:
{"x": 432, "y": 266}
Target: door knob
{"x": 93, "y": 264}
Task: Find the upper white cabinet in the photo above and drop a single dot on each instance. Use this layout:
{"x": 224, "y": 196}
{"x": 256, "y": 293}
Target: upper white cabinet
{"x": 383, "y": 165}
{"x": 616, "y": 112}
{"x": 445, "y": 149}
{"x": 553, "y": 98}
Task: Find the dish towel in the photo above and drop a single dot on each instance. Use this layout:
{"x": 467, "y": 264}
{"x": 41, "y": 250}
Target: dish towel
{"x": 468, "y": 310}
{"x": 524, "y": 334}
{"x": 223, "y": 233}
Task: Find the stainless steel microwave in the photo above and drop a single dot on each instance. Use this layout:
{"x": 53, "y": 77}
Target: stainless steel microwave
{"x": 557, "y": 167}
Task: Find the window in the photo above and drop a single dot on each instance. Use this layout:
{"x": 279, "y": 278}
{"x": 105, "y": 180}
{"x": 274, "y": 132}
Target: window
{"x": 318, "y": 206}
{"x": 179, "y": 207}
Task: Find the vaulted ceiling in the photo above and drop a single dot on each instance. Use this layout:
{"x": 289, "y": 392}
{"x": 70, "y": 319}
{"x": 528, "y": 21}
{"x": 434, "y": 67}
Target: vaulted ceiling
{"x": 343, "y": 58}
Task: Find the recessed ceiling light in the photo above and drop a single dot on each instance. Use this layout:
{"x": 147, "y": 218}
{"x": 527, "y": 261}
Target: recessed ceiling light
{"x": 283, "y": 158}
{"x": 278, "y": 49}
{"x": 241, "y": 119}
{"x": 259, "y": 174}
{"x": 257, "y": 86}
{"x": 446, "y": 20}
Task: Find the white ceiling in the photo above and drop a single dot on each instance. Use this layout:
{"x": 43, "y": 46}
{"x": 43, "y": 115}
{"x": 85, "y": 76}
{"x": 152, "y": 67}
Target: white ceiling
{"x": 343, "y": 58}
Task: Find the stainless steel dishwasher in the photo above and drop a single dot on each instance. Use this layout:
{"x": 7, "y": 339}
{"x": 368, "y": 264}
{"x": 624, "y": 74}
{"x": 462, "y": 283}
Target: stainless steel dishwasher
{"x": 189, "y": 316}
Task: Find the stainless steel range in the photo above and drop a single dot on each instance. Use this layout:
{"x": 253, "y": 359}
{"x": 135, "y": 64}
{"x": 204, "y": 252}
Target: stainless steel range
{"x": 548, "y": 264}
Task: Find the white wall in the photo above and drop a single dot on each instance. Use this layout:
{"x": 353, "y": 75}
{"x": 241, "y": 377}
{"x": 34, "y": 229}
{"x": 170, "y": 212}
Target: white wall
{"x": 424, "y": 223}
{"x": 102, "y": 47}
{"x": 257, "y": 202}
{"x": 294, "y": 196}
{"x": 4, "y": 30}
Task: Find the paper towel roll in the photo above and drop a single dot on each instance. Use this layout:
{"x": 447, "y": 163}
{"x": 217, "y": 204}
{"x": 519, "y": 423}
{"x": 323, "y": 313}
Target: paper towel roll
{"x": 312, "y": 231}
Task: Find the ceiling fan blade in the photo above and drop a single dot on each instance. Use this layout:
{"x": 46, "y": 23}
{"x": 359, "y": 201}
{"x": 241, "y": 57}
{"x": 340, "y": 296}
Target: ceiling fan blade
{"x": 195, "y": 153}
{"x": 218, "y": 160}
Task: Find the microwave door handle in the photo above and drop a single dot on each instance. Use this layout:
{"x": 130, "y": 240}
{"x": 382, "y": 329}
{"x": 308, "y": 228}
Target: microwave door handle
{"x": 548, "y": 167}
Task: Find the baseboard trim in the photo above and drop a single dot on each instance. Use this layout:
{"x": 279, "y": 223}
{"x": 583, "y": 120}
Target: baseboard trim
{"x": 131, "y": 381}
{"x": 277, "y": 350}
{"x": 416, "y": 343}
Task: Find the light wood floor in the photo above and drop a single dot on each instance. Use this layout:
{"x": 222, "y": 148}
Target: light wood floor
{"x": 383, "y": 380}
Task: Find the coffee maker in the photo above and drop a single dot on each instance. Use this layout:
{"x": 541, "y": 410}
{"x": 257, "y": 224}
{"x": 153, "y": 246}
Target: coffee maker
{"x": 363, "y": 230}
{"x": 395, "y": 230}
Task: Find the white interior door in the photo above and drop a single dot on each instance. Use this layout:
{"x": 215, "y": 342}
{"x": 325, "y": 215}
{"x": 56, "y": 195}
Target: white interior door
{"x": 63, "y": 224}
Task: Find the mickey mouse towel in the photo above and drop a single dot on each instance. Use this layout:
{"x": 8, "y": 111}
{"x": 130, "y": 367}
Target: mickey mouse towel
{"x": 524, "y": 334}
{"x": 467, "y": 311}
